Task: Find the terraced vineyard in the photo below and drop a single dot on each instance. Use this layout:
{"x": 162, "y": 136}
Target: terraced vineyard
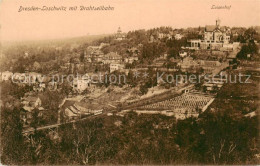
{"x": 187, "y": 101}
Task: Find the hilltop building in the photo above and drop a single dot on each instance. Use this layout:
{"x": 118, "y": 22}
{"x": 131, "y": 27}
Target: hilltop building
{"x": 215, "y": 37}
{"x": 119, "y": 35}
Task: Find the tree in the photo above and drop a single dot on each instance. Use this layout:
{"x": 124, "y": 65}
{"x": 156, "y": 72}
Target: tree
{"x": 36, "y": 66}
{"x": 11, "y": 136}
{"x": 35, "y": 118}
{"x": 50, "y": 102}
{"x": 66, "y": 88}
{"x": 82, "y": 56}
{"x": 250, "y": 48}
{"x": 130, "y": 79}
{"x": 143, "y": 89}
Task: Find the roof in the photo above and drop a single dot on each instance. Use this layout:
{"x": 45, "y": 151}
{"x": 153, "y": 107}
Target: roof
{"x": 81, "y": 106}
{"x": 69, "y": 112}
{"x": 210, "y": 28}
{"x": 112, "y": 54}
{"x": 251, "y": 114}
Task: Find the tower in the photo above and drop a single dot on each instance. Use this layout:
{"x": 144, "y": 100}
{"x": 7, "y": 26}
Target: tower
{"x": 119, "y": 34}
{"x": 218, "y": 23}
{"x": 119, "y": 30}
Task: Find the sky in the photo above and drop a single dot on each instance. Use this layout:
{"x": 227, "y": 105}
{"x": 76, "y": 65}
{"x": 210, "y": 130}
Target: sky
{"x": 128, "y": 14}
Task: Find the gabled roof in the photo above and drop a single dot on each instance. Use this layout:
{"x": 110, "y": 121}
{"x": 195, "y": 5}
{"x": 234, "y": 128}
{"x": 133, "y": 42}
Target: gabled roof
{"x": 210, "y": 28}
{"x": 237, "y": 30}
{"x": 113, "y": 54}
{"x": 217, "y": 30}
{"x": 81, "y": 107}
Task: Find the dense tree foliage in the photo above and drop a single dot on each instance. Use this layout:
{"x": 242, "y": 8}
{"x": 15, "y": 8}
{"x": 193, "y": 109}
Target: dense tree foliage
{"x": 250, "y": 48}
{"x": 214, "y": 138}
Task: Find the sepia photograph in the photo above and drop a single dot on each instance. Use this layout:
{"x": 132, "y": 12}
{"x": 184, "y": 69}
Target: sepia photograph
{"x": 129, "y": 82}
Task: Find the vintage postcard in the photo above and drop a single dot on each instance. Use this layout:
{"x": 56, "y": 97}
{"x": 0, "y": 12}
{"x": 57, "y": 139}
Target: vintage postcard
{"x": 129, "y": 82}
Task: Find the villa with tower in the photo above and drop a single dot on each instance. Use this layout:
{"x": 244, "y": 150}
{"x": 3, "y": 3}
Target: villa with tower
{"x": 215, "y": 37}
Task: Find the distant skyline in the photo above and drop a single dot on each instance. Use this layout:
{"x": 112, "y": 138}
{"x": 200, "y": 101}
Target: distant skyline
{"x": 128, "y": 14}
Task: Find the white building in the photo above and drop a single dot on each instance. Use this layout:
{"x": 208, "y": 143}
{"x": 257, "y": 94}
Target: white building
{"x": 131, "y": 59}
{"x": 116, "y": 66}
{"x": 112, "y": 57}
{"x": 178, "y": 36}
{"x": 81, "y": 84}
{"x": 215, "y": 37}
{"x": 183, "y": 54}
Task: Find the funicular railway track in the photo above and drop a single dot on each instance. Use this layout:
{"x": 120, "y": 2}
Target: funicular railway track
{"x": 149, "y": 100}
{"x": 156, "y": 98}
{"x": 30, "y": 130}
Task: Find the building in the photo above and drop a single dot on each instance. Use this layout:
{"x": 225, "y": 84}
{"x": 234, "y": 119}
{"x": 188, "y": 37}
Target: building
{"x": 93, "y": 48}
{"x": 93, "y": 55}
{"x": 29, "y": 104}
{"x": 131, "y": 59}
{"x": 160, "y": 35}
{"x": 152, "y": 39}
{"x": 103, "y": 45}
{"x": 53, "y": 85}
{"x": 214, "y": 38}
{"x": 194, "y": 44}
{"x": 119, "y": 35}
{"x": 183, "y": 54}
{"x": 81, "y": 84}
{"x": 116, "y": 66}
{"x": 111, "y": 57}
{"x": 178, "y": 36}
{"x": 164, "y": 35}
{"x": 72, "y": 110}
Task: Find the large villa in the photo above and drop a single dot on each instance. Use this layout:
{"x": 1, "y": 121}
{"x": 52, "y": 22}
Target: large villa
{"x": 215, "y": 37}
